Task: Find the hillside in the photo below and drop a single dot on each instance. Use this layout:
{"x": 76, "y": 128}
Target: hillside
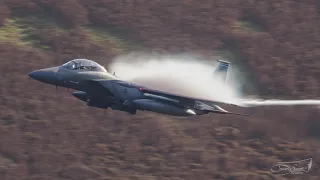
{"x": 48, "y": 134}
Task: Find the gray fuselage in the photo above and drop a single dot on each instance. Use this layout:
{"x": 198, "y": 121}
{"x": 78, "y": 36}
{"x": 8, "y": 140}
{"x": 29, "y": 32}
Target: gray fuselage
{"x": 117, "y": 94}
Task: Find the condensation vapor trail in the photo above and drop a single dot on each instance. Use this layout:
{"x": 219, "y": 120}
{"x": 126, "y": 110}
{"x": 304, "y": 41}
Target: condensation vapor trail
{"x": 277, "y": 102}
{"x": 186, "y": 76}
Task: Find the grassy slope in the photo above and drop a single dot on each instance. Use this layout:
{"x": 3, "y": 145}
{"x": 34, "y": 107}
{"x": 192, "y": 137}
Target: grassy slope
{"x": 11, "y": 32}
{"x": 18, "y": 32}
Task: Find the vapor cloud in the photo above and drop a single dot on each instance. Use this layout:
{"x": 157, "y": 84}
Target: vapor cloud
{"x": 190, "y": 76}
{"x": 180, "y": 74}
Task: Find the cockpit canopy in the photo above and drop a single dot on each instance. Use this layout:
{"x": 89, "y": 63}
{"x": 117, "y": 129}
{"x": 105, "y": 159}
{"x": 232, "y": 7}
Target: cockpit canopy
{"x": 84, "y": 64}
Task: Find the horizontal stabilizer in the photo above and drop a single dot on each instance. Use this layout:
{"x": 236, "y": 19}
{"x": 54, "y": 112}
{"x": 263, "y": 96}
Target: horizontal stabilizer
{"x": 233, "y": 113}
{"x": 214, "y": 108}
{"x": 219, "y": 110}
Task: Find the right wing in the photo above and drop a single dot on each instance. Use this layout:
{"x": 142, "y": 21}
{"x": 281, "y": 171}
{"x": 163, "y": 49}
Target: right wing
{"x": 103, "y": 88}
{"x": 188, "y": 102}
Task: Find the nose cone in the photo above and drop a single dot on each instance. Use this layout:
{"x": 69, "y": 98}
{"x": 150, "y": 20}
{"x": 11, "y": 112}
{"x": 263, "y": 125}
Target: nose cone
{"x": 47, "y": 75}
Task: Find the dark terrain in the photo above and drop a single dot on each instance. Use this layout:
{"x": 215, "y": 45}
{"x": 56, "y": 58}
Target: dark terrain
{"x": 47, "y": 134}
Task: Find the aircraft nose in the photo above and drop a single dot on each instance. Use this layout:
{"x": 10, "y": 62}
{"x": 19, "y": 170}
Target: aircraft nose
{"x": 34, "y": 74}
{"x": 47, "y": 75}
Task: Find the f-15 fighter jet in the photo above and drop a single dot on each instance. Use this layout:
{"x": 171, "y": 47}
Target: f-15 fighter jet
{"x": 95, "y": 86}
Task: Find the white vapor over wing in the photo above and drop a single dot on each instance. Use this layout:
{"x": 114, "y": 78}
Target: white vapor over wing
{"x": 179, "y": 74}
{"x": 189, "y": 76}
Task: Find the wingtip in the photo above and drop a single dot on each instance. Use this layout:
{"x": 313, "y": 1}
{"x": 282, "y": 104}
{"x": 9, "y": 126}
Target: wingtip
{"x": 240, "y": 114}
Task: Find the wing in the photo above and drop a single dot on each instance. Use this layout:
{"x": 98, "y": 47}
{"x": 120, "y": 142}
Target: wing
{"x": 188, "y": 102}
{"x": 104, "y": 88}
{"x": 175, "y": 97}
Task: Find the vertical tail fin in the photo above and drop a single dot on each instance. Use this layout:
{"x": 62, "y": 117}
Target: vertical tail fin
{"x": 220, "y": 73}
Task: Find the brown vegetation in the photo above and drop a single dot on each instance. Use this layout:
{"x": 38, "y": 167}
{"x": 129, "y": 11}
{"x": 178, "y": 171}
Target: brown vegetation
{"x": 47, "y": 134}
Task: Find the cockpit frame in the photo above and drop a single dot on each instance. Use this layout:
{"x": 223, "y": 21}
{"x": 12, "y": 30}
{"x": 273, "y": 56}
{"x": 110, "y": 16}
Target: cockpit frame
{"x": 84, "y": 64}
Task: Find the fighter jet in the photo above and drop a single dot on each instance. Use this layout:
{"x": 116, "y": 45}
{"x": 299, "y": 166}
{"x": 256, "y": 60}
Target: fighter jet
{"x": 98, "y": 88}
